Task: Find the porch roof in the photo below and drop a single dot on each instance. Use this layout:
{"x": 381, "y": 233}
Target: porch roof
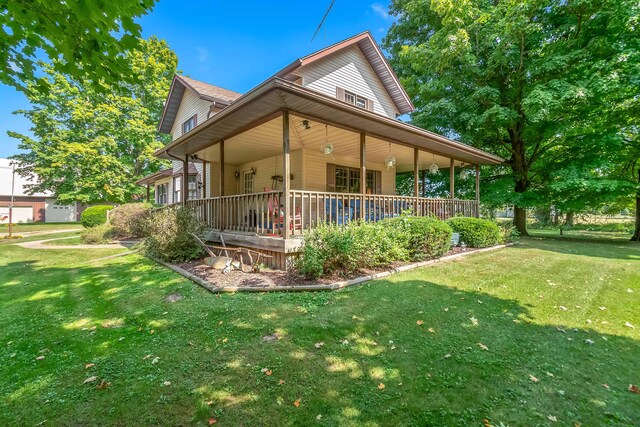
{"x": 267, "y": 101}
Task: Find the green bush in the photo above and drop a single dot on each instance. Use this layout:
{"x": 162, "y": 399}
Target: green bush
{"x": 423, "y": 237}
{"x": 103, "y": 233}
{"x": 128, "y": 220}
{"x": 508, "y": 231}
{"x": 168, "y": 234}
{"x": 365, "y": 245}
{"x": 476, "y": 232}
{"x": 95, "y": 215}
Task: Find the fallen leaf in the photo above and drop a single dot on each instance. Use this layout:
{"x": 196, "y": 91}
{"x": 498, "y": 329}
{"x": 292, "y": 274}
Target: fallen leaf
{"x": 269, "y": 372}
{"x": 380, "y": 386}
{"x": 563, "y": 308}
{"x": 152, "y": 331}
{"x": 552, "y": 418}
{"x": 474, "y": 321}
{"x": 40, "y": 358}
{"x": 90, "y": 380}
{"x": 393, "y": 347}
{"x": 121, "y": 338}
{"x": 155, "y": 360}
{"x": 209, "y": 402}
{"x": 296, "y": 403}
{"x": 448, "y": 355}
{"x": 446, "y": 309}
{"x": 534, "y": 379}
{"x": 89, "y": 365}
{"x": 549, "y": 374}
{"x": 281, "y": 382}
{"x": 634, "y": 388}
{"x": 146, "y": 357}
{"x": 606, "y": 386}
{"x": 602, "y": 308}
{"x": 629, "y": 325}
{"x": 318, "y": 344}
{"x": 279, "y": 400}
{"x": 433, "y": 331}
{"x": 166, "y": 383}
{"x": 345, "y": 342}
{"x": 420, "y": 322}
{"x": 590, "y": 342}
{"x": 220, "y": 323}
{"x": 319, "y": 417}
{"x": 225, "y": 340}
{"x": 103, "y": 384}
{"x": 482, "y": 346}
{"x": 212, "y": 421}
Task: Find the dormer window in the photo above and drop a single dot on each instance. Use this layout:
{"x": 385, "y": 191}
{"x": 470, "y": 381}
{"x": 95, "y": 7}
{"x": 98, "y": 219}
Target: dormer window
{"x": 354, "y": 99}
{"x": 189, "y": 124}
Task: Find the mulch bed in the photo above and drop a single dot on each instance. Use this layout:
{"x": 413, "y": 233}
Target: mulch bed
{"x": 271, "y": 278}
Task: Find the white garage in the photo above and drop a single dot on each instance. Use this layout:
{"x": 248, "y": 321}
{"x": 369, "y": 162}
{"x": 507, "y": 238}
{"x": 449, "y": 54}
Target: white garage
{"x": 55, "y": 212}
{"x": 21, "y": 214}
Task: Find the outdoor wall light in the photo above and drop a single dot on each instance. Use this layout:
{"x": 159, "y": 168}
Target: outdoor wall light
{"x": 194, "y": 157}
{"x": 305, "y": 124}
{"x": 327, "y": 149}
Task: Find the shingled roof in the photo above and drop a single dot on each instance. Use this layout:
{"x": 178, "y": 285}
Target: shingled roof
{"x": 205, "y": 91}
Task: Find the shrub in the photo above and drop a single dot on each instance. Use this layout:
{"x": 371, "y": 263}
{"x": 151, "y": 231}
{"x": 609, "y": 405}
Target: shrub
{"x": 103, "y": 233}
{"x": 362, "y": 245}
{"x": 423, "y": 237}
{"x": 476, "y": 232}
{"x": 128, "y": 220}
{"x": 168, "y": 234}
{"x": 508, "y": 231}
{"x": 95, "y": 215}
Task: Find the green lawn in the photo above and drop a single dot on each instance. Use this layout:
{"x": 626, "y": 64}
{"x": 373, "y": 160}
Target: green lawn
{"x": 533, "y": 307}
{"x": 41, "y": 226}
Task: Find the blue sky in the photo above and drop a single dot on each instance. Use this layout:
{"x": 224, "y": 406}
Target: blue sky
{"x": 233, "y": 44}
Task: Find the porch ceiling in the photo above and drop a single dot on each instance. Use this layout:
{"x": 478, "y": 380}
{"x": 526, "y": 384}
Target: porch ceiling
{"x": 265, "y": 141}
{"x": 253, "y": 123}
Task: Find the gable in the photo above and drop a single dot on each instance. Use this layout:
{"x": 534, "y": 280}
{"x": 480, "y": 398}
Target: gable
{"x": 348, "y": 69}
{"x": 190, "y": 105}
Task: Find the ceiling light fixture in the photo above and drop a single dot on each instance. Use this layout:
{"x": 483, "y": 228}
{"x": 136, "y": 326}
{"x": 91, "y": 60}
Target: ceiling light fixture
{"x": 390, "y": 161}
{"x": 433, "y": 169}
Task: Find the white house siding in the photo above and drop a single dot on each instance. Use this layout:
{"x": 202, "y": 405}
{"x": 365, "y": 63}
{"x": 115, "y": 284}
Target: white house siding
{"x": 266, "y": 168}
{"x": 316, "y": 171}
{"x": 348, "y": 69}
{"x": 191, "y": 104}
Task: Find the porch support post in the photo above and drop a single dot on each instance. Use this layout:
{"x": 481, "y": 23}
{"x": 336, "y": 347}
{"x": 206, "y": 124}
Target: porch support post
{"x": 424, "y": 183}
{"x": 286, "y": 175}
{"x": 416, "y": 181}
{"x": 221, "y": 183}
{"x": 452, "y": 187}
{"x": 363, "y": 173}
{"x": 148, "y": 194}
{"x": 205, "y": 215}
{"x": 185, "y": 179}
{"x": 477, "y": 191}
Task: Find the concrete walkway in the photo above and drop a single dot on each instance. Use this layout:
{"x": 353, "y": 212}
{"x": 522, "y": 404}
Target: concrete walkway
{"x": 39, "y": 244}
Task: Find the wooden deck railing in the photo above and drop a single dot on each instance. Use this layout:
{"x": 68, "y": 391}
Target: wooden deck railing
{"x": 262, "y": 213}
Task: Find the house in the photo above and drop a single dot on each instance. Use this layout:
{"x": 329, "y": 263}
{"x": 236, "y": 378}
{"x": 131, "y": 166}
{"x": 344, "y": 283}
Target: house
{"x": 319, "y": 141}
{"x": 37, "y": 207}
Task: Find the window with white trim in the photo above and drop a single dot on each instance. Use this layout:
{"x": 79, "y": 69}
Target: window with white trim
{"x": 193, "y": 187}
{"x": 161, "y": 194}
{"x": 357, "y": 100}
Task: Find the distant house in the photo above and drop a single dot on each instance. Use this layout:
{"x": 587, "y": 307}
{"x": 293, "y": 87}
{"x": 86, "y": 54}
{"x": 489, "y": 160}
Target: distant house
{"x": 39, "y": 207}
{"x": 319, "y": 141}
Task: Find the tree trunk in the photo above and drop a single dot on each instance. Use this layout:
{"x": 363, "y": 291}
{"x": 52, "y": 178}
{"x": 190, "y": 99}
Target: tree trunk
{"x": 568, "y": 219}
{"x": 520, "y": 220}
{"x": 520, "y": 169}
{"x": 636, "y": 234}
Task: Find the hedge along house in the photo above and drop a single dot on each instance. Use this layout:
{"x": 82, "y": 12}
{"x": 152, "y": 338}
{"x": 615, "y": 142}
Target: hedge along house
{"x": 317, "y": 142}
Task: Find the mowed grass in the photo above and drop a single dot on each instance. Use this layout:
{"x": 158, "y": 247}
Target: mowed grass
{"x": 40, "y": 226}
{"x": 500, "y": 336}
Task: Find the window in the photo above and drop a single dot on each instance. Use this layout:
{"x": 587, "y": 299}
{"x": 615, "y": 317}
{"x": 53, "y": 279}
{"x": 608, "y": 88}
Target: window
{"x": 193, "y": 187}
{"x": 177, "y": 186}
{"x": 356, "y": 100}
{"x": 247, "y": 181}
{"x": 343, "y": 179}
{"x": 189, "y": 124}
{"x": 161, "y": 194}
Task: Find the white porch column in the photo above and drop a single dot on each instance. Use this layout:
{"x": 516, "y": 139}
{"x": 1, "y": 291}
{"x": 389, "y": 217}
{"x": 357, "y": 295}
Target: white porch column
{"x": 416, "y": 181}
{"x": 286, "y": 175}
{"x": 477, "y": 191}
{"x": 185, "y": 180}
{"x": 221, "y": 183}
{"x": 363, "y": 172}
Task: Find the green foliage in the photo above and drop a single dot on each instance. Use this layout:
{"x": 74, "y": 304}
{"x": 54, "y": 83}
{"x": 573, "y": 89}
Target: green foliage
{"x": 367, "y": 245}
{"x": 91, "y": 146}
{"x": 102, "y": 233}
{"x": 85, "y": 40}
{"x": 168, "y": 234}
{"x": 95, "y": 215}
{"x": 422, "y": 237}
{"x": 476, "y": 232}
{"x": 128, "y": 220}
{"x": 549, "y": 86}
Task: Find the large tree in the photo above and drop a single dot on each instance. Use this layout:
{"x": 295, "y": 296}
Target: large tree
{"x": 530, "y": 80}
{"x": 83, "y": 39}
{"x": 91, "y": 145}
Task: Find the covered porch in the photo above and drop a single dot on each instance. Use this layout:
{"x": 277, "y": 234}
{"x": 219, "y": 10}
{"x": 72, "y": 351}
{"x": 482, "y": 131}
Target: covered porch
{"x": 283, "y": 158}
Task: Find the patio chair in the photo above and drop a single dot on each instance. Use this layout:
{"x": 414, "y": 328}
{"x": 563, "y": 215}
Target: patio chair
{"x": 276, "y": 216}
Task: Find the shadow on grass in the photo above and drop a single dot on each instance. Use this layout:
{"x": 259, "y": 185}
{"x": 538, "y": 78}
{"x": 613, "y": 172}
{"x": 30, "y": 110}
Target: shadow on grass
{"x": 592, "y": 247}
{"x": 376, "y": 366}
